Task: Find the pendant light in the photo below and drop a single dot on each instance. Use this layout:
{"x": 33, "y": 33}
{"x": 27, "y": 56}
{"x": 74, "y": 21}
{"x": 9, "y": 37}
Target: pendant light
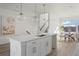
{"x": 35, "y": 16}
{"x": 21, "y": 15}
{"x": 44, "y": 8}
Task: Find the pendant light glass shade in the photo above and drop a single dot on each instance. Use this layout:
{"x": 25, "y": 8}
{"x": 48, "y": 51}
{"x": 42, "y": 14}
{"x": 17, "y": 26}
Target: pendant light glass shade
{"x": 21, "y": 15}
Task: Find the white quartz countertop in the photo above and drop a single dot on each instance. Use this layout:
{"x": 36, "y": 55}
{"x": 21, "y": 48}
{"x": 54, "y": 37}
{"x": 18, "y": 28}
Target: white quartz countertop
{"x": 26, "y": 37}
{"x": 22, "y": 38}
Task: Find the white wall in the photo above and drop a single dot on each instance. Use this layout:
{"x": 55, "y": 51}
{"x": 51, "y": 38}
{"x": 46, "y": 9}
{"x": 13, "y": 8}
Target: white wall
{"x": 57, "y": 12}
{"x": 30, "y": 23}
{"x": 3, "y": 40}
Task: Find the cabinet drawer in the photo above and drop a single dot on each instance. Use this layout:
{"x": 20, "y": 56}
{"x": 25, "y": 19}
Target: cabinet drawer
{"x": 33, "y": 50}
{"x": 33, "y": 43}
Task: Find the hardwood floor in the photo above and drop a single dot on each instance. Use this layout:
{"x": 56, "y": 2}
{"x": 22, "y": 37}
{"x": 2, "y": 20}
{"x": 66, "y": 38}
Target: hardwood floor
{"x": 64, "y": 48}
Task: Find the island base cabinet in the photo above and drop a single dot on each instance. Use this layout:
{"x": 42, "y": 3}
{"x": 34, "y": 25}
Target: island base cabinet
{"x": 33, "y": 51}
{"x": 17, "y": 48}
{"x": 36, "y": 47}
{"x": 54, "y": 41}
{"x": 46, "y": 46}
{"x": 33, "y": 48}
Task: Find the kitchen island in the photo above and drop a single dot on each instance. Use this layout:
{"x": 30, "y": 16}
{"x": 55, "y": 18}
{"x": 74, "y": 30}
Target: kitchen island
{"x": 23, "y": 45}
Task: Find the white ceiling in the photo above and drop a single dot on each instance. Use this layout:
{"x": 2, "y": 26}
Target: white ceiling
{"x": 29, "y": 6}
{"x": 16, "y": 6}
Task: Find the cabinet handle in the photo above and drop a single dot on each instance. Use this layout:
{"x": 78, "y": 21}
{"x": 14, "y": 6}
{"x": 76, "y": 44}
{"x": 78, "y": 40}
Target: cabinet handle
{"x": 33, "y": 42}
{"x": 34, "y": 50}
{"x": 46, "y": 43}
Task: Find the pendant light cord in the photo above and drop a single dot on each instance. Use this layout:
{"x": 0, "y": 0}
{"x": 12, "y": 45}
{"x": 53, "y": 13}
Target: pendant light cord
{"x": 35, "y": 10}
{"x": 21, "y": 9}
{"x": 44, "y": 7}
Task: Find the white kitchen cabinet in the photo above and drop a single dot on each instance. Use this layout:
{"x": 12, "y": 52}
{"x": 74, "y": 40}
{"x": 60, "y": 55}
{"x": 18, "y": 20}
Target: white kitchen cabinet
{"x": 49, "y": 44}
{"x": 54, "y": 41}
{"x": 30, "y": 46}
{"x": 17, "y": 48}
{"x": 33, "y": 48}
{"x": 33, "y": 51}
{"x": 46, "y": 45}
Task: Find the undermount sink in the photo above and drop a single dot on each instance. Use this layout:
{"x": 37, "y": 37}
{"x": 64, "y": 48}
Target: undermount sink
{"x": 41, "y": 35}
